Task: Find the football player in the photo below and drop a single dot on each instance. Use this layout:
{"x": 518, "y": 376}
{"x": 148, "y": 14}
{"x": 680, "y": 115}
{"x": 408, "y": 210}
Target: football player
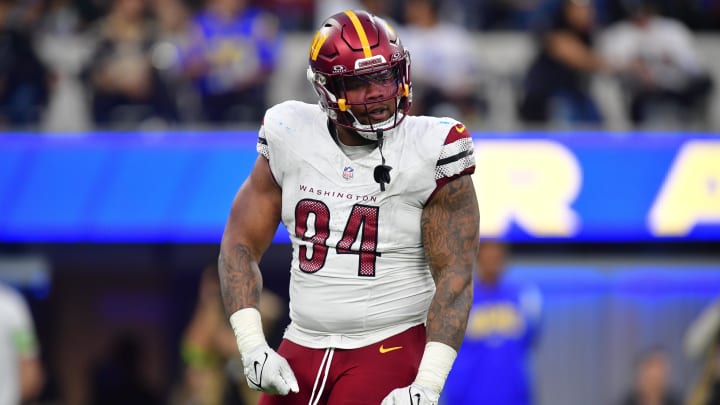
{"x": 383, "y": 218}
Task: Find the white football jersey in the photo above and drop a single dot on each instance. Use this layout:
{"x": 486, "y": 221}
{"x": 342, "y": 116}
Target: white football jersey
{"x": 359, "y": 272}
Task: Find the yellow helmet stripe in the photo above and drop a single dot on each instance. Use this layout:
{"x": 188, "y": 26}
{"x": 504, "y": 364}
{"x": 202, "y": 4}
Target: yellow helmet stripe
{"x": 361, "y": 33}
{"x": 317, "y": 44}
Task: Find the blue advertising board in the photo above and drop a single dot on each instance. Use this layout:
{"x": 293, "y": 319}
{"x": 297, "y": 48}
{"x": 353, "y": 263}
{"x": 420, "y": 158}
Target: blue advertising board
{"x": 177, "y": 187}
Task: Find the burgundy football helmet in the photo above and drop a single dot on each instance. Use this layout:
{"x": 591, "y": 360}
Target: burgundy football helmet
{"x": 354, "y": 47}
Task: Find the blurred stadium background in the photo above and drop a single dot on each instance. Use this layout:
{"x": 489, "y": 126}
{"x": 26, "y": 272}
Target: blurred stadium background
{"x": 109, "y": 211}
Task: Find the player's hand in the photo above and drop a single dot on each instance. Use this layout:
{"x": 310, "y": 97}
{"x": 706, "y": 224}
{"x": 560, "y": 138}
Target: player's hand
{"x": 411, "y": 395}
{"x": 269, "y": 372}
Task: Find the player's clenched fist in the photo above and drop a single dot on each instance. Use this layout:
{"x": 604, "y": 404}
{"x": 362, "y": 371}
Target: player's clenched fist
{"x": 267, "y": 371}
{"x": 411, "y": 395}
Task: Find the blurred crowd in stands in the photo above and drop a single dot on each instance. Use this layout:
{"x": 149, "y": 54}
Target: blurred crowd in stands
{"x": 78, "y": 65}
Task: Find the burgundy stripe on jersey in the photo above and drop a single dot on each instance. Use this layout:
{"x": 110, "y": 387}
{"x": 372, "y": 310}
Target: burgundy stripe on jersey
{"x": 456, "y": 158}
{"x": 456, "y": 155}
{"x": 445, "y": 180}
{"x": 457, "y": 132}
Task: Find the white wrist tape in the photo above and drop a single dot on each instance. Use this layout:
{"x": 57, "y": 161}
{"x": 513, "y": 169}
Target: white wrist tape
{"x": 435, "y": 365}
{"x": 247, "y": 325}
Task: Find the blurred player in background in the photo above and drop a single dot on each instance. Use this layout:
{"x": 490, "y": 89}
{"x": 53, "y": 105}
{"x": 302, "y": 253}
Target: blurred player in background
{"x": 383, "y": 219}
{"x": 211, "y": 374}
{"x": 502, "y": 330}
{"x": 651, "y": 384}
{"x": 21, "y": 372}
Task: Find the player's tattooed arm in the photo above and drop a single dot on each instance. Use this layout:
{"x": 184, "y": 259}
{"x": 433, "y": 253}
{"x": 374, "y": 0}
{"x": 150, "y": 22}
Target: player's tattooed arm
{"x": 450, "y": 226}
{"x": 251, "y": 225}
{"x": 240, "y": 278}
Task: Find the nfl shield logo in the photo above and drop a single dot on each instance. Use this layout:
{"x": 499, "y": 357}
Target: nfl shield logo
{"x": 348, "y": 173}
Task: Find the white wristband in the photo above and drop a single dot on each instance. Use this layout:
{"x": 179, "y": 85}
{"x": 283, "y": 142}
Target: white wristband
{"x": 435, "y": 365}
{"x": 247, "y": 325}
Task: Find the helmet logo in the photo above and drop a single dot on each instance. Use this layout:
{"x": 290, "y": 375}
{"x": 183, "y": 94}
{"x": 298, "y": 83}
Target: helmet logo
{"x": 317, "y": 43}
{"x": 348, "y": 173}
{"x": 338, "y": 69}
{"x": 370, "y": 62}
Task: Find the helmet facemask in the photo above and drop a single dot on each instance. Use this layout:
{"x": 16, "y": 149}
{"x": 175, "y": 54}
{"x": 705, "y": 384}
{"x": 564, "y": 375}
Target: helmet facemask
{"x": 333, "y": 88}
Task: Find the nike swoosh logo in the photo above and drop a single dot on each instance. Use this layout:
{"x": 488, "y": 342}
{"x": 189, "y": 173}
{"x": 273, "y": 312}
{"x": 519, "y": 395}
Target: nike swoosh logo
{"x": 258, "y": 376}
{"x": 384, "y": 350}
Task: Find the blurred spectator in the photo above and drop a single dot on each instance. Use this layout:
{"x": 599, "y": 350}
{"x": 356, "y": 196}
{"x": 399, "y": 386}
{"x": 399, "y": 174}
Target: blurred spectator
{"x": 24, "y": 80}
{"x": 294, "y": 15}
{"x": 119, "y": 379}
{"x": 493, "y": 364}
{"x": 651, "y": 383}
{"x": 173, "y": 33}
{"x": 125, "y": 87}
{"x": 489, "y": 15}
{"x": 65, "y": 50}
{"x": 556, "y": 88}
{"x": 21, "y": 372}
{"x": 173, "y": 25}
{"x": 661, "y": 71}
{"x": 446, "y": 68}
{"x": 382, "y": 8}
{"x": 61, "y": 17}
{"x": 699, "y": 15}
{"x": 702, "y": 344}
{"x": 213, "y": 371}
{"x": 324, "y": 8}
{"x": 233, "y": 53}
